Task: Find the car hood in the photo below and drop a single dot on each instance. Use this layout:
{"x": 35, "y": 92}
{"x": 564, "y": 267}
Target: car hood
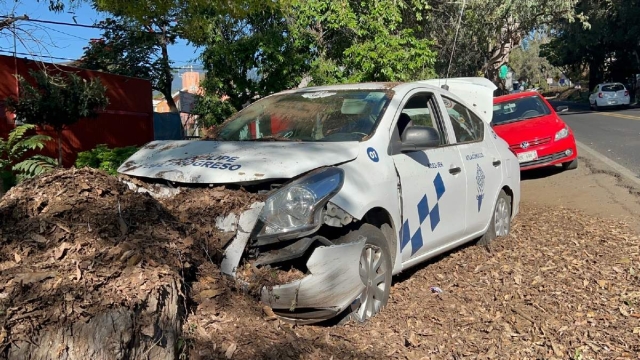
{"x": 526, "y": 130}
{"x": 213, "y": 162}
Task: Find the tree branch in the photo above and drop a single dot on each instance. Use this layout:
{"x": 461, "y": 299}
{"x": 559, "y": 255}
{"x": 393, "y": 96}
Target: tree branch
{"x": 7, "y": 22}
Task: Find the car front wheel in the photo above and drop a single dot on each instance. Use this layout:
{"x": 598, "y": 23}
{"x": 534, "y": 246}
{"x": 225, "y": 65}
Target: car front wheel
{"x": 500, "y": 221}
{"x": 375, "y": 273}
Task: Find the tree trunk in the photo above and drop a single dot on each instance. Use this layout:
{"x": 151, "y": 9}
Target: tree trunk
{"x": 120, "y": 333}
{"x": 168, "y": 77}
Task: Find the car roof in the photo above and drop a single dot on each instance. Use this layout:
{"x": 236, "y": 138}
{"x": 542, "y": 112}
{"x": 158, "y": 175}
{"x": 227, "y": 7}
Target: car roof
{"x": 519, "y": 95}
{"x": 611, "y": 83}
{"x": 395, "y": 86}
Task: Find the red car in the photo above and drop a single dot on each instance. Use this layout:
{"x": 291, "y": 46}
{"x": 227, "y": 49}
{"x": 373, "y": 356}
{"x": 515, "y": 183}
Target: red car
{"x": 534, "y": 131}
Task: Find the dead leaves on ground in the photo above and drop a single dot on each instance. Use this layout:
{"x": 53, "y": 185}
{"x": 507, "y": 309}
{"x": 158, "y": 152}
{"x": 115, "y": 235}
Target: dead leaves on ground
{"x": 562, "y": 286}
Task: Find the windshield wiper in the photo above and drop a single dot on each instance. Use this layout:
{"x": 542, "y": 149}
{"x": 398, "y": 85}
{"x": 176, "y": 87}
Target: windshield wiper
{"x": 270, "y": 138}
{"x": 508, "y": 121}
{"x": 530, "y": 117}
{"x": 516, "y": 120}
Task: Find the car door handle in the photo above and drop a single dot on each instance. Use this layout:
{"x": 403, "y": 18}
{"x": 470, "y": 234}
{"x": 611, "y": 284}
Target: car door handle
{"x": 455, "y": 170}
{"x": 496, "y": 163}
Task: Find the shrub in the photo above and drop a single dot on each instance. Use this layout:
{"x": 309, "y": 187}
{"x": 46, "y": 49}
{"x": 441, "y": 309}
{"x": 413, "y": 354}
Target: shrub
{"x": 104, "y": 158}
{"x": 13, "y": 165}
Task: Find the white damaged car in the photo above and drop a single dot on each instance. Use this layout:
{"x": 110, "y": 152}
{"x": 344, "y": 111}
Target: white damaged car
{"x": 363, "y": 182}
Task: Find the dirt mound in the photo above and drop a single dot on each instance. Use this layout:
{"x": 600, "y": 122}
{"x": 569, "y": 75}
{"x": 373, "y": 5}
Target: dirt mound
{"x": 79, "y": 249}
{"x": 92, "y": 270}
{"x": 562, "y": 286}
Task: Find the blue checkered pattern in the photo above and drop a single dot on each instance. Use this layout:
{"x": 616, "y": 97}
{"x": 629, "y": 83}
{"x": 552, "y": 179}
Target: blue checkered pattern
{"x": 424, "y": 212}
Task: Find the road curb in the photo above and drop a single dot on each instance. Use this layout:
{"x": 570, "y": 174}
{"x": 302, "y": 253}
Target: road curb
{"x": 623, "y": 171}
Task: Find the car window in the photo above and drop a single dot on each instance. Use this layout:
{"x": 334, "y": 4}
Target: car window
{"x": 612, "y": 87}
{"x": 340, "y": 115}
{"x": 523, "y": 108}
{"x": 467, "y": 126}
{"x": 418, "y": 112}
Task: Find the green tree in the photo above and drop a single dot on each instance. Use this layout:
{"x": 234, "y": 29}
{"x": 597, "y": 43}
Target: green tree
{"x": 490, "y": 30}
{"x": 607, "y": 48}
{"x": 357, "y": 41}
{"x": 526, "y": 61}
{"x": 131, "y": 48}
{"x": 57, "y": 100}
{"x": 253, "y": 56}
{"x": 211, "y": 110}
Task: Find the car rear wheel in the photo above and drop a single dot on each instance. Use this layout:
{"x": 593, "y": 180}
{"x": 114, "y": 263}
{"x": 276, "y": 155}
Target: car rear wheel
{"x": 570, "y": 165}
{"x": 375, "y": 273}
{"x": 500, "y": 221}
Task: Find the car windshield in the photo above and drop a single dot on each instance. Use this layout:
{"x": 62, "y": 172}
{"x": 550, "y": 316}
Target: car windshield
{"x": 519, "y": 109}
{"x": 343, "y": 115}
{"x": 612, "y": 88}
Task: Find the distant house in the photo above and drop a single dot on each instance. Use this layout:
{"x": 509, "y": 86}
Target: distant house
{"x": 185, "y": 99}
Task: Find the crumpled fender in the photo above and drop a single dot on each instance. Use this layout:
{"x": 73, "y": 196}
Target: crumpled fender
{"x": 334, "y": 281}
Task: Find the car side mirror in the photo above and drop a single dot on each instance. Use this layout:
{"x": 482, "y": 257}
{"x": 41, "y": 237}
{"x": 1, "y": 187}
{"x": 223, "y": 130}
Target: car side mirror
{"x": 419, "y": 138}
{"x": 562, "y": 108}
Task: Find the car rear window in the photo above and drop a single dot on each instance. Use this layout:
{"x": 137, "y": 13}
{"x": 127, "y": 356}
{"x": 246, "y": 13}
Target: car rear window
{"x": 612, "y": 88}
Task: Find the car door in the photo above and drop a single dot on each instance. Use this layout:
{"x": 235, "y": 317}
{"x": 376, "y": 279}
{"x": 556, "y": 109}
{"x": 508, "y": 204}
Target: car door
{"x": 432, "y": 182}
{"x": 482, "y": 163}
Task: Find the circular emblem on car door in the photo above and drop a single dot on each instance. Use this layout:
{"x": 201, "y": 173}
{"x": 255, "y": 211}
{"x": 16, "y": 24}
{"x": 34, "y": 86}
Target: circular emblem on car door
{"x": 524, "y": 145}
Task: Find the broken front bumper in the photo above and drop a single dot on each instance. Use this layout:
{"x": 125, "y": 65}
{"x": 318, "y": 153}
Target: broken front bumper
{"x": 332, "y": 282}
{"x": 332, "y": 285}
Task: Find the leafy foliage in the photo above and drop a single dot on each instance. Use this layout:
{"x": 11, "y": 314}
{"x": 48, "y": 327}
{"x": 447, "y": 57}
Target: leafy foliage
{"x": 608, "y": 48}
{"x": 104, "y": 158}
{"x": 528, "y": 64}
{"x": 253, "y": 56}
{"x": 13, "y": 165}
{"x": 135, "y": 42}
{"x": 57, "y": 100}
{"x": 365, "y": 41}
{"x": 33, "y": 166}
{"x": 489, "y": 31}
{"x": 61, "y": 5}
{"x": 212, "y": 111}
{"x": 131, "y": 48}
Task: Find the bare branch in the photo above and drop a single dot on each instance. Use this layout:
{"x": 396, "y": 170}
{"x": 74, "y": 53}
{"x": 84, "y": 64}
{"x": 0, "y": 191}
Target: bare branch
{"x": 8, "y": 21}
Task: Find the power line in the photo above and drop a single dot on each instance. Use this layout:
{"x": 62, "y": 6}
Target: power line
{"x": 44, "y": 56}
{"x": 61, "y": 58}
{"x": 61, "y": 23}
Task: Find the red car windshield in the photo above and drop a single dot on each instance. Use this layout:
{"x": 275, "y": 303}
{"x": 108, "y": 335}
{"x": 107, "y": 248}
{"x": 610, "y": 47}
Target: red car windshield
{"x": 519, "y": 109}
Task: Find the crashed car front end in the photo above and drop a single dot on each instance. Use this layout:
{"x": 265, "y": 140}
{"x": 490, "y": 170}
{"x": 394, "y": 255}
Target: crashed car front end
{"x": 295, "y": 229}
{"x": 291, "y": 230}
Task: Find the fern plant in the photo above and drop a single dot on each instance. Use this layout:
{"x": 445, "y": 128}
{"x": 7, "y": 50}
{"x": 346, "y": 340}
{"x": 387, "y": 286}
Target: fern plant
{"x": 13, "y": 151}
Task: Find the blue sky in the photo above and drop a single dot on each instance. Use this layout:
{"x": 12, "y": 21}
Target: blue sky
{"x": 43, "y": 41}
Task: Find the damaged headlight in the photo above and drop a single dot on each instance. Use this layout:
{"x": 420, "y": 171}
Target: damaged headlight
{"x": 295, "y": 210}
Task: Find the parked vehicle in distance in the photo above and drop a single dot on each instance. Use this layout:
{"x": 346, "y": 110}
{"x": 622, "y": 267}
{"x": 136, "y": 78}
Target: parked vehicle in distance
{"x": 534, "y": 131}
{"x": 362, "y": 181}
{"x": 609, "y": 95}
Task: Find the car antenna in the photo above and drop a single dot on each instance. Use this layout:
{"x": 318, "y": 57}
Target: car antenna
{"x": 453, "y": 50}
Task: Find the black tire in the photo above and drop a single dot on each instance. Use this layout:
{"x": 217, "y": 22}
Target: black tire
{"x": 595, "y": 106}
{"x": 490, "y": 235}
{"x": 570, "y": 165}
{"x": 378, "y": 244}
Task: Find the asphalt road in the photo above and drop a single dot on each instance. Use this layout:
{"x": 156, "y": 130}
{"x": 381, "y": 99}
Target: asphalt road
{"x": 613, "y": 133}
